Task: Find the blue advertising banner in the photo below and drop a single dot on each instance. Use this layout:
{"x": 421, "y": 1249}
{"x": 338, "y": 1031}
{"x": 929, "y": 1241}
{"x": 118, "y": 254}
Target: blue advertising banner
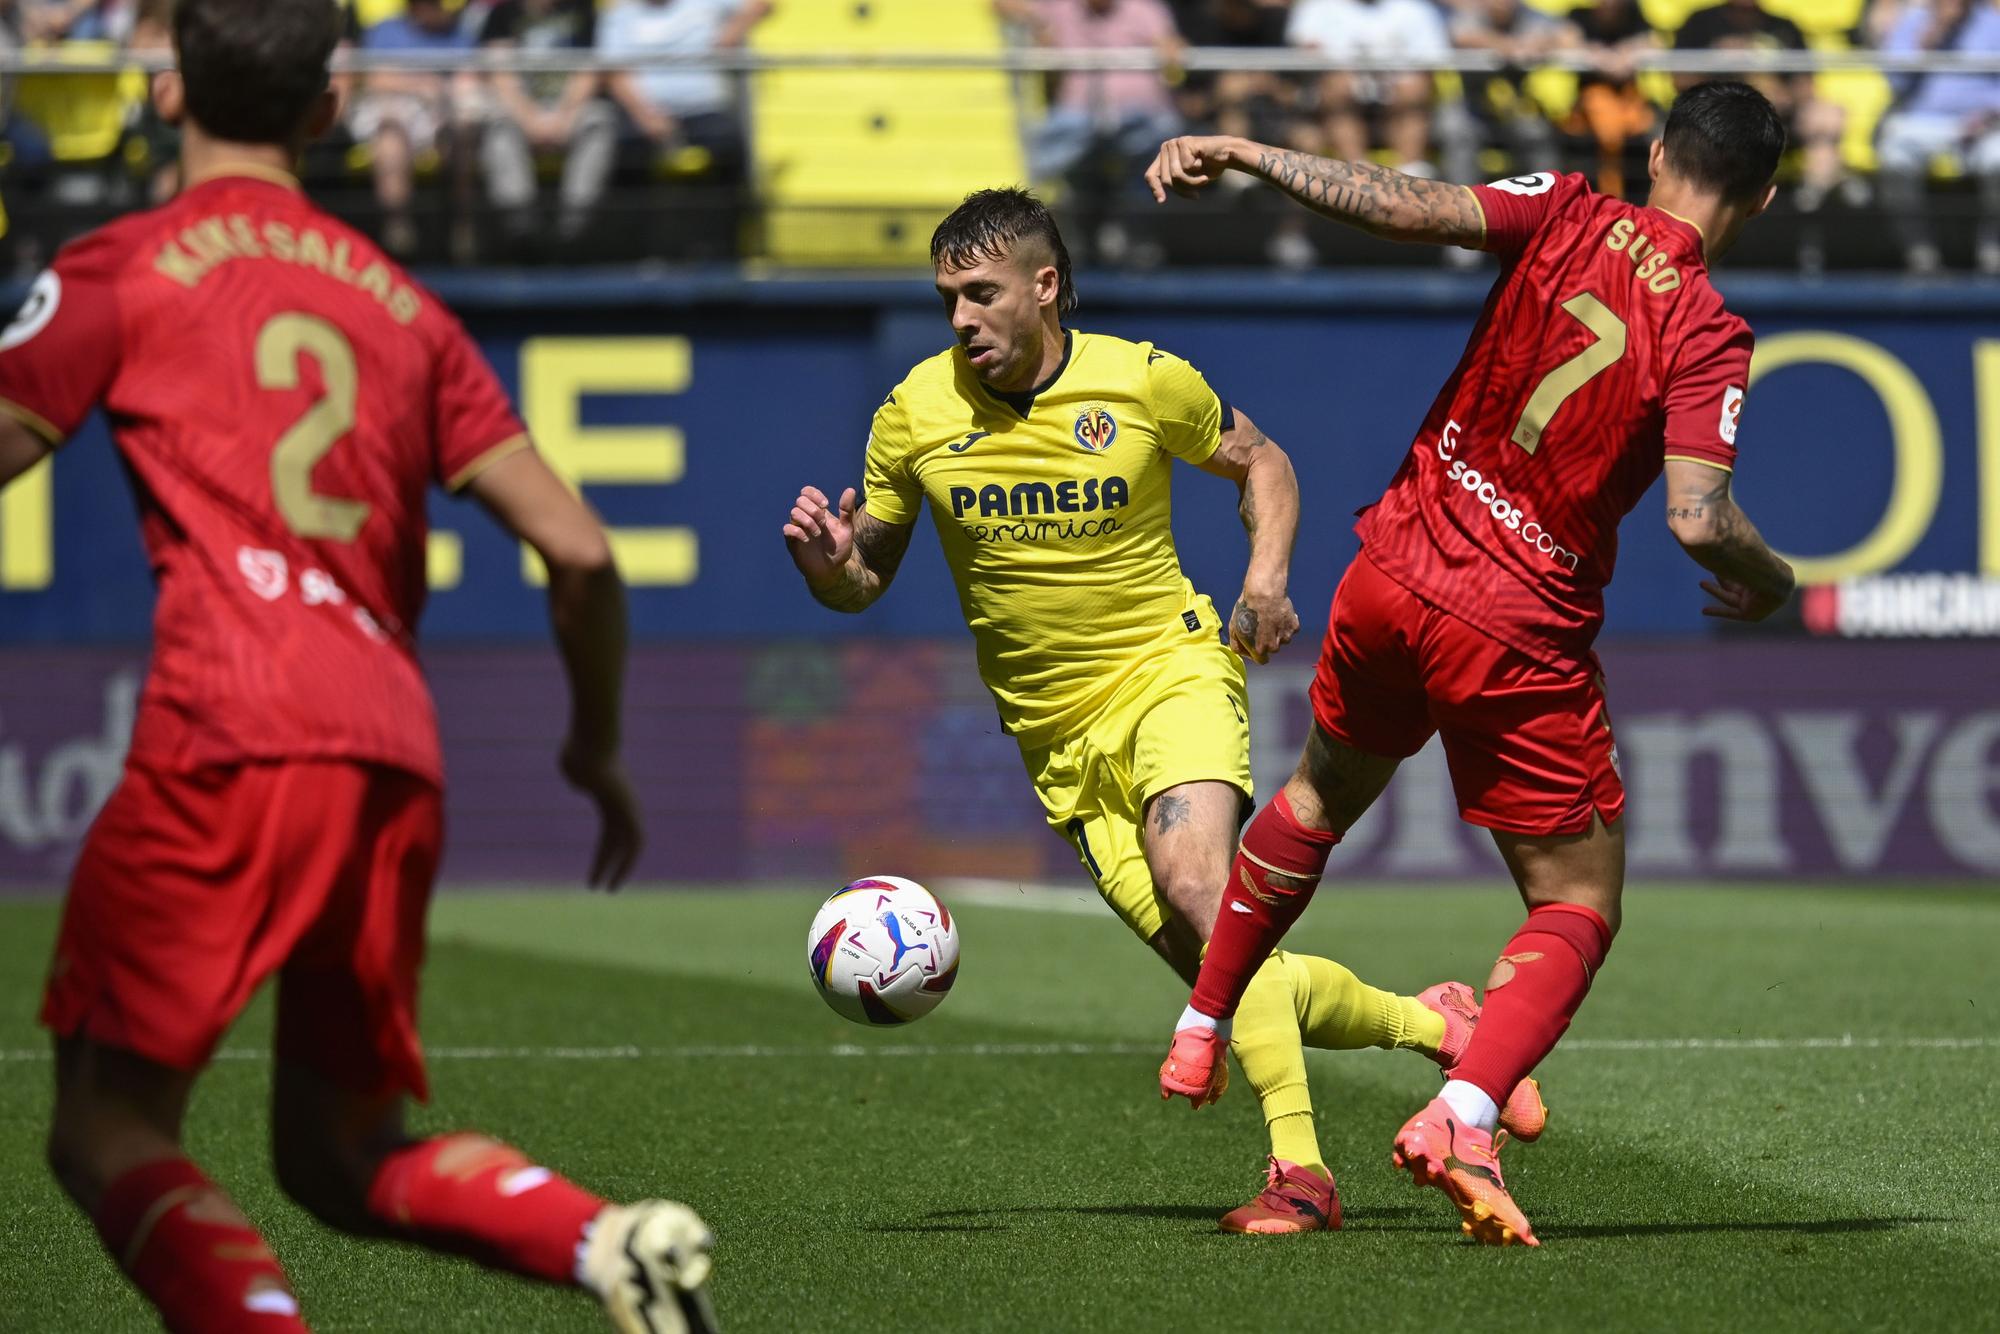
{"x": 691, "y": 409}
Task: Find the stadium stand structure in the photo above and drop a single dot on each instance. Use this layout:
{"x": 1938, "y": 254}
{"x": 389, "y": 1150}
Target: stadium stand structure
{"x": 852, "y": 167}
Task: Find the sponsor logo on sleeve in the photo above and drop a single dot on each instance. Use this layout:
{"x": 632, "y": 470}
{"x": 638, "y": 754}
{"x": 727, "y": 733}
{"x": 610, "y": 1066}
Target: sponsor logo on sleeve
{"x": 1732, "y": 408}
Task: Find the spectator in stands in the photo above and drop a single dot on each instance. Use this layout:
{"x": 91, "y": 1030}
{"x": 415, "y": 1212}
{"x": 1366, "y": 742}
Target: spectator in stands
{"x": 541, "y": 113}
{"x": 55, "y": 20}
{"x": 1816, "y": 124}
{"x": 1399, "y": 102}
{"x": 671, "y": 108}
{"x": 402, "y": 116}
{"x": 1103, "y": 124}
{"x": 1612, "y": 113}
{"x": 1498, "y": 108}
{"x": 27, "y": 146}
{"x": 152, "y": 34}
{"x": 1252, "y": 104}
{"x": 1942, "y": 115}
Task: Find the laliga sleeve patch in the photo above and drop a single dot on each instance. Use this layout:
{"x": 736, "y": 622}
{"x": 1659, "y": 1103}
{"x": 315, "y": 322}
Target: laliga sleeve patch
{"x": 1732, "y": 408}
{"x": 1538, "y": 184}
{"x": 44, "y": 298}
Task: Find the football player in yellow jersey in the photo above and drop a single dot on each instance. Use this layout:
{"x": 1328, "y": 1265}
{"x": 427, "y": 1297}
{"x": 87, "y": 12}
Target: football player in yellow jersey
{"x": 1046, "y": 457}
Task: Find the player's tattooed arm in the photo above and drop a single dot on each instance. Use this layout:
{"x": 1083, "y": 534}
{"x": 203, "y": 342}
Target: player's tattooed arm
{"x": 1376, "y": 199}
{"x": 1268, "y": 503}
{"x": 847, "y": 555}
{"x": 1751, "y": 580}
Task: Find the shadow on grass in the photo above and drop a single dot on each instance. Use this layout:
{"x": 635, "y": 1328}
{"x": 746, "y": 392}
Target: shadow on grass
{"x": 1801, "y": 1226}
{"x": 1201, "y": 1213}
{"x": 1440, "y": 1222}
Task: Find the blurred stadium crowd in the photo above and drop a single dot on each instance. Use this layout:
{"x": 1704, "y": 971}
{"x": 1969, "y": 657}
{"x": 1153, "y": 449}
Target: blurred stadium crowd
{"x": 679, "y": 162}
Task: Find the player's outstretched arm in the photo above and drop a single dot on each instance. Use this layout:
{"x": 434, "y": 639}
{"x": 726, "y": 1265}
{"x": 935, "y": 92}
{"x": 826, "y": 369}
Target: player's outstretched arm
{"x": 1379, "y": 201}
{"x": 1263, "y": 621}
{"x": 20, "y": 448}
{"x": 848, "y": 557}
{"x": 587, "y": 609}
{"x": 1751, "y": 580}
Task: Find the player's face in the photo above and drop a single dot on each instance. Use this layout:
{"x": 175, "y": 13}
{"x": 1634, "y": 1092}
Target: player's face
{"x": 995, "y": 308}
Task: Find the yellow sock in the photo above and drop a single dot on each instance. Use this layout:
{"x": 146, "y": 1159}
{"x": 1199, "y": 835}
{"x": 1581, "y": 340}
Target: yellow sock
{"x": 1266, "y": 1042}
{"x": 1337, "y": 1011}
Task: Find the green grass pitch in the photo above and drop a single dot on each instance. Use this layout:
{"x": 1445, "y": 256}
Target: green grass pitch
{"x": 1006, "y": 1164}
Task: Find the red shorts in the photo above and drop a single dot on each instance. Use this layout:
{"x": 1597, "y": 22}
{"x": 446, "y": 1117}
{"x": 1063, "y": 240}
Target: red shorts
{"x": 1529, "y": 745}
{"x": 193, "y": 888}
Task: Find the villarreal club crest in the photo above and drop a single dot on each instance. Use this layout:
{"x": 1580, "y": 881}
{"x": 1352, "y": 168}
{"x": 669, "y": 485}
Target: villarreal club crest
{"x": 1096, "y": 428}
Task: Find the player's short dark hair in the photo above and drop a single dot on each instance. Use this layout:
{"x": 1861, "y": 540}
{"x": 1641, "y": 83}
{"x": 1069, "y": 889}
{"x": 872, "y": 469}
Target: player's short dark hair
{"x": 1726, "y": 137}
{"x": 990, "y": 223}
{"x": 254, "y": 68}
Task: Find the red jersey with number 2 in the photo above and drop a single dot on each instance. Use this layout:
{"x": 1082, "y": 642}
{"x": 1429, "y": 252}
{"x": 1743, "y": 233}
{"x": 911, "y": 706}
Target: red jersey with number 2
{"x": 1602, "y": 351}
{"x": 282, "y": 396}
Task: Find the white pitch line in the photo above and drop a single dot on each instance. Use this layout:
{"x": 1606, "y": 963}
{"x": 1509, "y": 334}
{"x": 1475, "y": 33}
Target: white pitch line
{"x": 1023, "y": 896}
{"x": 1845, "y": 1042}
{"x": 940, "y": 1050}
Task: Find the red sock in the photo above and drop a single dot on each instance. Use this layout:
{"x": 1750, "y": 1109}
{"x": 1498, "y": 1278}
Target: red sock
{"x": 1535, "y": 988}
{"x": 194, "y": 1255}
{"x": 482, "y": 1199}
{"x": 1276, "y": 870}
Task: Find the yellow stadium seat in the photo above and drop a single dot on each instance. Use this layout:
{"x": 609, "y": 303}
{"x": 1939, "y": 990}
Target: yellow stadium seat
{"x": 856, "y": 165}
{"x": 84, "y": 115}
{"x": 370, "y": 12}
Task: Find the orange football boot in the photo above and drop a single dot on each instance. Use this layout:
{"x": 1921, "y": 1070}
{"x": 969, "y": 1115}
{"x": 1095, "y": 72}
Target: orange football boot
{"x": 1524, "y": 1115}
{"x": 1294, "y": 1199}
{"x": 1437, "y": 1149}
{"x": 1196, "y": 1067}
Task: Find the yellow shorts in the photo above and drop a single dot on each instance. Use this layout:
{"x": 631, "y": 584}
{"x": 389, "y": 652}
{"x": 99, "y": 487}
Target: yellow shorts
{"x": 1186, "y": 720}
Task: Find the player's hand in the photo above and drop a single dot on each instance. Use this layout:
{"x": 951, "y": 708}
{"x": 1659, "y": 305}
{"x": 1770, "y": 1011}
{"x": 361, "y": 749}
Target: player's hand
{"x": 1190, "y": 164}
{"x": 820, "y": 537}
{"x": 1262, "y": 623}
{"x": 602, "y": 778}
{"x": 1738, "y": 602}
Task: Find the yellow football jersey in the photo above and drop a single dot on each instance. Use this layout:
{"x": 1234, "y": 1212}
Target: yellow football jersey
{"x": 1055, "y": 512}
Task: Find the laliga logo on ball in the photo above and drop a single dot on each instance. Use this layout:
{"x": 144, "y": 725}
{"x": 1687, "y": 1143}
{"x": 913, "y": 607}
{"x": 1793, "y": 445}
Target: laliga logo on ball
{"x": 882, "y": 951}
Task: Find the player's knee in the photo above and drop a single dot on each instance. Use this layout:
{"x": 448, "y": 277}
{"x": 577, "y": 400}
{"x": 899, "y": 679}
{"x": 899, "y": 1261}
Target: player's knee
{"x": 1194, "y": 887}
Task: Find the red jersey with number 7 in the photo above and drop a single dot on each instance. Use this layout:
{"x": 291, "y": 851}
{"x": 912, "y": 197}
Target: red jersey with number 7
{"x": 1602, "y": 351}
{"x": 282, "y": 396}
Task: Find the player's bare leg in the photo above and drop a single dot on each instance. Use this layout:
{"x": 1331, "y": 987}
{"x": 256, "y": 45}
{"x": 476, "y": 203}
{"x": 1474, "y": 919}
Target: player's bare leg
{"x": 115, "y": 1145}
{"x": 1188, "y": 833}
{"x": 1572, "y": 884}
{"x": 1278, "y": 865}
{"x": 346, "y": 1158}
{"x": 1292, "y": 1001}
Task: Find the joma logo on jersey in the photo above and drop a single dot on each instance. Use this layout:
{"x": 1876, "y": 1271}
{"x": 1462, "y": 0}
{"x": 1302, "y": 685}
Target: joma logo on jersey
{"x": 1029, "y": 498}
{"x": 1096, "y": 428}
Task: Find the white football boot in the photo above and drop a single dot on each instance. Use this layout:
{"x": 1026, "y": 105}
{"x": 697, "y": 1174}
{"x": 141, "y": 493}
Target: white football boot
{"x": 649, "y": 1262}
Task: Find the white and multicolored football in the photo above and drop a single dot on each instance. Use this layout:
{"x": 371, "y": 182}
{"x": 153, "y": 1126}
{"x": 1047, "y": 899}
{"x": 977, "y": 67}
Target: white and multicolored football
{"x": 883, "y": 951}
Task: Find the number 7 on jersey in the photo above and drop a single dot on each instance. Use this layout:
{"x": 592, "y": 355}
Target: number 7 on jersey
{"x": 1574, "y": 374}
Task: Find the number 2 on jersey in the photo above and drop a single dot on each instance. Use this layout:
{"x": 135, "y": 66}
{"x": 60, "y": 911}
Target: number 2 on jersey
{"x": 1578, "y": 371}
{"x": 279, "y": 344}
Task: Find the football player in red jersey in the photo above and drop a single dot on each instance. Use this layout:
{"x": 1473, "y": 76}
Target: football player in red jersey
{"x": 282, "y": 397}
{"x": 1602, "y": 357}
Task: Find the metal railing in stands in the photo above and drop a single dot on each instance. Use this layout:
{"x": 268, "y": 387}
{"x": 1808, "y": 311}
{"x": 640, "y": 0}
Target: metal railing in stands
{"x": 1197, "y": 59}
